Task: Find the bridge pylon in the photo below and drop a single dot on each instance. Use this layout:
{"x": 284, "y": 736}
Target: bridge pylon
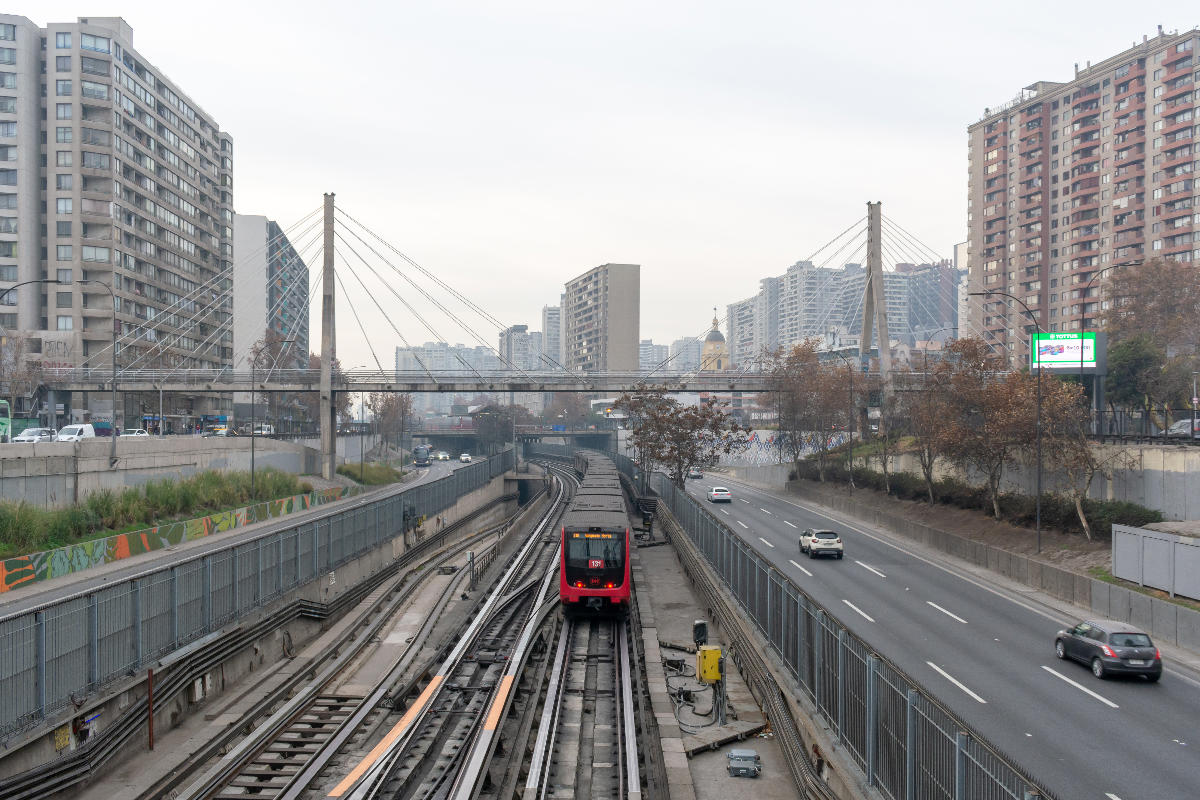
{"x": 328, "y": 348}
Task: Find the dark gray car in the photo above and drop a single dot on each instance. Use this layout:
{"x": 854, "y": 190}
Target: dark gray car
{"x": 1110, "y": 647}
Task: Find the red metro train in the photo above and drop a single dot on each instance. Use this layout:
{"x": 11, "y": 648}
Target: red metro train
{"x": 593, "y": 566}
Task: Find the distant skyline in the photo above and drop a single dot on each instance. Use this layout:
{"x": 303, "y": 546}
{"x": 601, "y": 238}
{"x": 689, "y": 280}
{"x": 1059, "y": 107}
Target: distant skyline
{"x": 510, "y": 148}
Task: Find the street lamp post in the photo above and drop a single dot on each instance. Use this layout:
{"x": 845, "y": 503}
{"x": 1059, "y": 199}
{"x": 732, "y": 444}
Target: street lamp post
{"x": 112, "y": 450}
{"x": 254, "y": 410}
{"x": 1038, "y": 423}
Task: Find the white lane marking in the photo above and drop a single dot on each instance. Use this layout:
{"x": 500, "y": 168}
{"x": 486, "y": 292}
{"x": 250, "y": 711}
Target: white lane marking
{"x": 947, "y": 613}
{"x": 723, "y": 511}
{"x": 764, "y": 510}
{"x": 868, "y": 566}
{"x": 790, "y": 525}
{"x": 1081, "y": 687}
{"x": 744, "y": 525}
{"x": 747, "y": 502}
{"x": 764, "y": 541}
{"x": 859, "y": 610}
{"x": 1111, "y": 796}
{"x": 802, "y": 569}
{"x": 956, "y": 682}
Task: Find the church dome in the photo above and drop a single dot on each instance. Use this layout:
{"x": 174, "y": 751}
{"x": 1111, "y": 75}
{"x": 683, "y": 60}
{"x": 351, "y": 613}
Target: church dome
{"x": 714, "y": 336}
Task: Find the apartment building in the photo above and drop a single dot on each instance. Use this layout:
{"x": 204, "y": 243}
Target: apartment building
{"x": 651, "y": 356}
{"x": 272, "y": 292}
{"x": 521, "y": 348}
{"x": 685, "y": 355}
{"x": 1071, "y": 178}
{"x": 600, "y": 314}
{"x": 113, "y": 178}
{"x": 551, "y": 336}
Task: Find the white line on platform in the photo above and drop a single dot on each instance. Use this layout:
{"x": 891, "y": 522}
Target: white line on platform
{"x": 802, "y": 569}
{"x": 744, "y": 525}
{"x": 1081, "y": 687}
{"x": 868, "y": 566}
{"x": 947, "y": 613}
{"x": 859, "y": 610}
{"x": 956, "y": 682}
{"x": 764, "y": 541}
{"x": 790, "y": 525}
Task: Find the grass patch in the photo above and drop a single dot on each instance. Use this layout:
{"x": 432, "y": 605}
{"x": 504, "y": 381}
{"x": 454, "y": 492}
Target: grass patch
{"x": 1102, "y": 574}
{"x": 371, "y": 474}
{"x": 25, "y": 528}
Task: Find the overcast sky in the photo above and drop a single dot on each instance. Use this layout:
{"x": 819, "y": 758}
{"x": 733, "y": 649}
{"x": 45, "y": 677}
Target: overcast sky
{"x": 508, "y": 147}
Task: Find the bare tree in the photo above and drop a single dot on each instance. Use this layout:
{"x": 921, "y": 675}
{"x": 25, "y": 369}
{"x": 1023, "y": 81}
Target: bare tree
{"x": 677, "y": 436}
{"x": 311, "y": 401}
{"x": 928, "y": 412}
{"x": 812, "y": 398}
{"x": 391, "y": 411}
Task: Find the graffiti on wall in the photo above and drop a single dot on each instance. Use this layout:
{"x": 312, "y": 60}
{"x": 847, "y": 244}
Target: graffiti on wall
{"x": 22, "y": 570}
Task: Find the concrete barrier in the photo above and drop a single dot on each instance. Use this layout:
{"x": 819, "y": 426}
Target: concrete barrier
{"x": 58, "y": 474}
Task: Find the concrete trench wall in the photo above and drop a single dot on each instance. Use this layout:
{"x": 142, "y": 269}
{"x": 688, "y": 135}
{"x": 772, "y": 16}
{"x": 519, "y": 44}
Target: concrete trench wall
{"x": 38, "y": 745}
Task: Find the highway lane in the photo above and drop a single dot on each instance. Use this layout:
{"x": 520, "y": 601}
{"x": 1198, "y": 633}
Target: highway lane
{"x": 987, "y": 655}
{"x": 37, "y": 594}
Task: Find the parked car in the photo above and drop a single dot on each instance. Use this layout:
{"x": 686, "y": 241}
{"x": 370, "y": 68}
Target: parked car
{"x": 264, "y": 430}
{"x": 819, "y": 543}
{"x": 74, "y": 433}
{"x": 442, "y": 455}
{"x": 695, "y": 472}
{"x": 35, "y": 435}
{"x": 1181, "y": 427}
{"x": 1110, "y": 647}
{"x": 719, "y": 494}
{"x": 135, "y": 432}
{"x": 218, "y": 432}
{"x": 465, "y": 458}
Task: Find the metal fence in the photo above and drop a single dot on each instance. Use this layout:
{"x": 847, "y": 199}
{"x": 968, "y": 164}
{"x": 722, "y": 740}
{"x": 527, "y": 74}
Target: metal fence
{"x": 907, "y": 744}
{"x": 55, "y": 654}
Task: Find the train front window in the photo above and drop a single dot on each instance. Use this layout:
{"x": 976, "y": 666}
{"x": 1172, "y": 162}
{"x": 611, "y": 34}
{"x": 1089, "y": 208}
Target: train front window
{"x": 595, "y": 551}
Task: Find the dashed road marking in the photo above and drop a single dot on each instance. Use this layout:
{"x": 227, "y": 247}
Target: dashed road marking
{"x": 872, "y": 569}
{"x": 947, "y": 613}
{"x": 956, "y": 682}
{"x": 764, "y": 510}
{"x": 744, "y": 525}
{"x": 764, "y": 541}
{"x": 862, "y": 613}
{"x": 802, "y": 569}
{"x": 790, "y": 525}
{"x": 1080, "y": 687}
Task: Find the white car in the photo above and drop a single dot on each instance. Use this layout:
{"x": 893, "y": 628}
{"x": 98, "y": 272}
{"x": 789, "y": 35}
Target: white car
{"x": 135, "y": 432}
{"x": 719, "y": 494}
{"x": 465, "y": 458}
{"x": 820, "y": 543}
{"x": 35, "y": 435}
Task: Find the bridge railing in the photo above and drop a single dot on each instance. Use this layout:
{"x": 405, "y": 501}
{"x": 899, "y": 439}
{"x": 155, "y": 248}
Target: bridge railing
{"x": 54, "y": 654}
{"x": 907, "y": 743}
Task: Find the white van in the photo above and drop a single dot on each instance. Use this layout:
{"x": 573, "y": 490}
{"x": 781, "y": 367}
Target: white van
{"x": 264, "y": 430}
{"x": 73, "y": 433}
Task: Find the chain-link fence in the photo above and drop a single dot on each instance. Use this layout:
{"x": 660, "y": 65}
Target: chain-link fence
{"x": 908, "y": 745}
{"x": 55, "y": 654}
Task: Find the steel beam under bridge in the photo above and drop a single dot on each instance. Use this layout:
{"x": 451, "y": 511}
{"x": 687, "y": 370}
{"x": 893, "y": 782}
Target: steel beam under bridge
{"x": 100, "y": 379}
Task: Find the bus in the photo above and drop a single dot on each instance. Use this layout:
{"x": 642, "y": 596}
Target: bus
{"x": 421, "y": 455}
{"x": 5, "y": 421}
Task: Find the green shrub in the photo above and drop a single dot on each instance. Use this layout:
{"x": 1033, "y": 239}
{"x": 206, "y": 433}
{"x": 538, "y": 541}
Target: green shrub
{"x": 370, "y": 474}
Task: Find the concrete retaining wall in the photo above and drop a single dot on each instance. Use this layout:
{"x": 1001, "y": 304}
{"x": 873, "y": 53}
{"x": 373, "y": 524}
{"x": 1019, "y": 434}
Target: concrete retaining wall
{"x": 57, "y": 474}
{"x": 1167, "y": 621}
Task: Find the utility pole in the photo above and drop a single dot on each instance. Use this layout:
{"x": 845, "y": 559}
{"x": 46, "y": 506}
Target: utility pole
{"x": 328, "y": 423}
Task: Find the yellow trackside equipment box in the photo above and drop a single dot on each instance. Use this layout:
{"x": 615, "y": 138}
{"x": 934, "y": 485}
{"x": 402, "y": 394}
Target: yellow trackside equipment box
{"x": 708, "y": 663}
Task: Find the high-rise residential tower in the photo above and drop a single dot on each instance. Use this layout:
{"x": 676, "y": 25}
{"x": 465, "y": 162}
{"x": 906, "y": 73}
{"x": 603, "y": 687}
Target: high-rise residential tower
{"x": 272, "y": 281}
{"x": 551, "y": 336}
{"x": 1069, "y": 178}
{"x": 600, "y": 315}
{"x": 112, "y": 176}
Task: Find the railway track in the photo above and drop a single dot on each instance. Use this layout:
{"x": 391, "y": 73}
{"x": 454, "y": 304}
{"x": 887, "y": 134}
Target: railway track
{"x": 285, "y": 754}
{"x": 587, "y": 737}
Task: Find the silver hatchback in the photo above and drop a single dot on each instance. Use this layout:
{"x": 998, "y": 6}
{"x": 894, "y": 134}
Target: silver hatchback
{"x": 1110, "y": 647}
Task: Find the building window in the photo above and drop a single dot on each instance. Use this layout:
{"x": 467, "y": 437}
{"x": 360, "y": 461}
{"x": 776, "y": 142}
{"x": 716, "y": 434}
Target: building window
{"x": 8, "y": 80}
{"x": 93, "y": 66}
{"x": 8, "y": 224}
{"x": 8, "y": 177}
{"x": 62, "y": 63}
{"x": 66, "y": 323}
{"x": 62, "y": 111}
{"x": 63, "y": 135}
{"x": 62, "y": 40}
{"x": 64, "y": 205}
{"x": 97, "y": 44}
{"x": 95, "y": 253}
{"x": 95, "y": 91}
{"x": 62, "y": 228}
{"x": 8, "y": 105}
{"x": 62, "y": 300}
{"x": 8, "y": 33}
{"x": 62, "y": 88}
{"x": 64, "y": 182}
{"x": 9, "y": 250}
{"x": 8, "y": 152}
{"x": 63, "y": 275}
{"x": 95, "y": 160}
{"x": 8, "y": 201}
{"x": 64, "y": 158}
{"x": 8, "y": 55}
{"x": 63, "y": 252}
{"x": 8, "y": 130}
